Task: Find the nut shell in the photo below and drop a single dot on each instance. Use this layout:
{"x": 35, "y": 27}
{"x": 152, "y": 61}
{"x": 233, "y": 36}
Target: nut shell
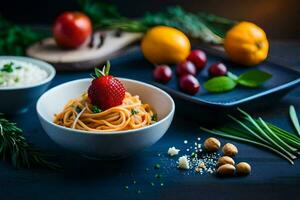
{"x": 226, "y": 170}
{"x": 212, "y": 144}
{"x": 229, "y": 150}
{"x": 243, "y": 168}
{"x": 225, "y": 160}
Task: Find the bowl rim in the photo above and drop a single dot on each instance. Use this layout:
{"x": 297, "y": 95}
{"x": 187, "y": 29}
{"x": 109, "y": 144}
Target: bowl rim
{"x": 113, "y": 132}
{"x": 41, "y": 64}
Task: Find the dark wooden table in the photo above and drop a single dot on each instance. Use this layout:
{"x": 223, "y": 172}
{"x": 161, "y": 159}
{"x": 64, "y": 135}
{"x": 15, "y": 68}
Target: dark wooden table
{"x": 272, "y": 177}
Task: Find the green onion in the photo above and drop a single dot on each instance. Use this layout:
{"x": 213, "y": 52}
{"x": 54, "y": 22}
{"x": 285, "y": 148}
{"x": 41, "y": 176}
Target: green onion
{"x": 275, "y": 137}
{"x": 240, "y": 138}
{"x": 261, "y": 133}
{"x": 294, "y": 119}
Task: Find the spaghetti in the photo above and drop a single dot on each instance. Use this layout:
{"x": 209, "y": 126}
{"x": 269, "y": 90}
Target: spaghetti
{"x": 82, "y": 115}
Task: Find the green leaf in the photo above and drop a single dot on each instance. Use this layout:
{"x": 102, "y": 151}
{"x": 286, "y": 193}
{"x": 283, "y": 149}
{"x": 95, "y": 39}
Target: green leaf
{"x": 220, "y": 84}
{"x": 294, "y": 119}
{"x": 253, "y": 78}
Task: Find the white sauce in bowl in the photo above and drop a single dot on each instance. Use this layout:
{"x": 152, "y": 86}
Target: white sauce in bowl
{"x": 20, "y": 73}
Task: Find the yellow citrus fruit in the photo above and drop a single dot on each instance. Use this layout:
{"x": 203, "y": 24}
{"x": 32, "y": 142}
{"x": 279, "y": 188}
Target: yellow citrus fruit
{"x": 165, "y": 45}
{"x": 246, "y": 44}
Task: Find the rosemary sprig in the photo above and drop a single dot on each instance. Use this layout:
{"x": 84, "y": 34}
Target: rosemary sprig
{"x": 203, "y": 26}
{"x": 15, "y": 149}
{"x": 294, "y": 119}
{"x": 261, "y": 133}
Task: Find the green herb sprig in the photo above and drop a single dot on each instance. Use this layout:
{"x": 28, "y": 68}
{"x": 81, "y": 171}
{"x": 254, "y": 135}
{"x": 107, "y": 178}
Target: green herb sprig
{"x": 96, "y": 109}
{"x": 15, "y": 39}
{"x": 258, "y": 132}
{"x": 154, "y": 117}
{"x": 134, "y": 112}
{"x": 203, "y": 26}
{"x": 250, "y": 79}
{"x": 8, "y": 67}
{"x": 15, "y": 149}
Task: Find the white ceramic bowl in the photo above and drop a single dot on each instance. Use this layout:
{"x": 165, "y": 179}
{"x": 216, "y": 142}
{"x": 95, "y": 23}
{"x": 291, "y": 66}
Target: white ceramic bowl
{"x": 17, "y": 99}
{"x": 105, "y": 145}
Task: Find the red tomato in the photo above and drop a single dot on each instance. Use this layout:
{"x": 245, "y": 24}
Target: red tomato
{"x": 72, "y": 29}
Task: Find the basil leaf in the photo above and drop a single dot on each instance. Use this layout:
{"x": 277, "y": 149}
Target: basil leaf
{"x": 220, "y": 84}
{"x": 253, "y": 78}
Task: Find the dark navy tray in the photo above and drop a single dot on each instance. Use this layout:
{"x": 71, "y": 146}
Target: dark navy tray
{"x": 212, "y": 107}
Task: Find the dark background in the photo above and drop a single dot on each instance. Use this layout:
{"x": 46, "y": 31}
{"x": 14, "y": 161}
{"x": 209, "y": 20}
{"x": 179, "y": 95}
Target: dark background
{"x": 280, "y": 18}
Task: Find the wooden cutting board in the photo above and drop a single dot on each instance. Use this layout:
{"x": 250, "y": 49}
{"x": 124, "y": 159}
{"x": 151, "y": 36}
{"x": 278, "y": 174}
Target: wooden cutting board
{"x": 103, "y": 46}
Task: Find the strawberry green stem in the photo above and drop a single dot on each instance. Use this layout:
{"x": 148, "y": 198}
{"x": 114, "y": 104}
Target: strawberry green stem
{"x": 104, "y": 71}
{"x": 107, "y": 68}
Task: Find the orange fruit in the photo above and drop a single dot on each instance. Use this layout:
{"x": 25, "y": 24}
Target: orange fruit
{"x": 246, "y": 44}
{"x": 165, "y": 45}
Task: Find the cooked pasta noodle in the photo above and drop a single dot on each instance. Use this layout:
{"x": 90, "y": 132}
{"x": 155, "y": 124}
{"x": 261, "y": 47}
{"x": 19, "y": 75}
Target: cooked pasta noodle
{"x": 80, "y": 114}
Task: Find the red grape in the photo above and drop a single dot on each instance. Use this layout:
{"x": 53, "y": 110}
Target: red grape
{"x": 218, "y": 69}
{"x": 189, "y": 84}
{"x": 162, "y": 73}
{"x": 197, "y": 57}
{"x": 186, "y": 67}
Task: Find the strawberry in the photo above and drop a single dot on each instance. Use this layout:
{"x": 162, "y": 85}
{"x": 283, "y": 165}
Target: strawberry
{"x": 105, "y": 90}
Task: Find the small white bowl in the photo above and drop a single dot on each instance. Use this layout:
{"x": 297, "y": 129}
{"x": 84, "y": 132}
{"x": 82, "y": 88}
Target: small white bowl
{"x": 105, "y": 145}
{"x": 17, "y": 99}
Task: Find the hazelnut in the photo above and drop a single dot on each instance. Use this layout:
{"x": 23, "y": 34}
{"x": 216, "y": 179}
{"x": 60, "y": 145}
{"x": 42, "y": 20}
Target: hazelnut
{"x": 226, "y": 170}
{"x": 212, "y": 144}
{"x": 229, "y": 150}
{"x": 243, "y": 168}
{"x": 225, "y": 160}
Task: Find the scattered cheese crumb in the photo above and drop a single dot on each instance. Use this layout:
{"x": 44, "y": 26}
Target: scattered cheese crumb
{"x": 183, "y": 163}
{"x": 172, "y": 151}
{"x": 185, "y": 141}
{"x": 202, "y": 165}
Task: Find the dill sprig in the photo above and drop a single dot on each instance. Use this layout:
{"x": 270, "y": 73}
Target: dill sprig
{"x": 16, "y": 150}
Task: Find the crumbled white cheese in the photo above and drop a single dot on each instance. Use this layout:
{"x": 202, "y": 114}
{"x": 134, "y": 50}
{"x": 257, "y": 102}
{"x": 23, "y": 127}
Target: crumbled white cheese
{"x": 185, "y": 141}
{"x": 183, "y": 163}
{"x": 172, "y": 151}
